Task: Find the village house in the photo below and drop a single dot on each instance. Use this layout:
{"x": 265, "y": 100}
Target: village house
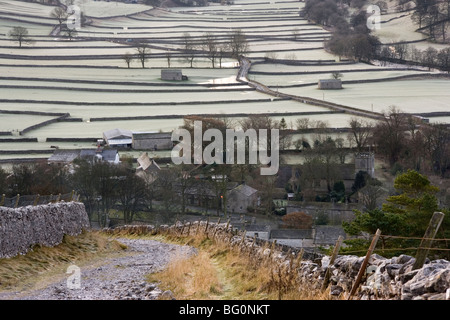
{"x": 327, "y": 235}
{"x": 147, "y": 168}
{"x": 318, "y": 236}
{"x": 297, "y": 238}
{"x": 258, "y": 231}
{"x": 65, "y": 157}
{"x": 242, "y": 198}
{"x": 100, "y": 154}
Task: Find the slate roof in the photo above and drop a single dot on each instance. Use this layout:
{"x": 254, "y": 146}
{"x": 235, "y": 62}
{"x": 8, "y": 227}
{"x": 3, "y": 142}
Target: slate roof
{"x": 146, "y": 163}
{"x": 64, "y": 155}
{"x": 328, "y": 234}
{"x": 118, "y": 134}
{"x": 68, "y": 156}
{"x": 106, "y": 154}
{"x": 245, "y": 189}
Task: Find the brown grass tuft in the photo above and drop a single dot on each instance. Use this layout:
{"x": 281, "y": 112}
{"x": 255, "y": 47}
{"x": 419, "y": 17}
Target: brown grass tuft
{"x": 221, "y": 272}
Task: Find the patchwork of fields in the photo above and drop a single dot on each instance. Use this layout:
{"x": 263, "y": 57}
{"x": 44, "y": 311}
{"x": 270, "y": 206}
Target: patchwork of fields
{"x": 88, "y": 78}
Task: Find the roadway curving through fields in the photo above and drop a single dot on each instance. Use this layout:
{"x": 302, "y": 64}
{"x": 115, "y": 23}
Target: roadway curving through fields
{"x": 242, "y": 77}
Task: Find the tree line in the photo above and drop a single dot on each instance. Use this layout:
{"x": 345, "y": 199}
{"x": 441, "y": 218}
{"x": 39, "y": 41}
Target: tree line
{"x": 211, "y": 46}
{"x": 350, "y": 35}
{"x": 352, "y": 38}
{"x": 433, "y": 18}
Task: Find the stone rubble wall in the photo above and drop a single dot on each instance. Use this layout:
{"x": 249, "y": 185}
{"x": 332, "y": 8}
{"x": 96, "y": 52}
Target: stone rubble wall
{"x": 387, "y": 279}
{"x": 22, "y": 228}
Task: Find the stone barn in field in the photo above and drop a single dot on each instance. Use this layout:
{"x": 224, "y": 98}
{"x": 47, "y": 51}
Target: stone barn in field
{"x": 172, "y": 74}
{"x": 330, "y": 84}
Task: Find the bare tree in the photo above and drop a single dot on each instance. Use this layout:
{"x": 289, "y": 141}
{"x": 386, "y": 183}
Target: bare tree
{"x": 70, "y": 32}
{"x": 143, "y": 50}
{"x": 238, "y": 44}
{"x": 222, "y": 53}
{"x": 168, "y": 57}
{"x": 211, "y": 47}
{"x": 336, "y": 75}
{"x": 360, "y": 132}
{"x": 401, "y": 49}
{"x": 128, "y": 58}
{"x": 20, "y": 34}
{"x": 189, "y": 48}
{"x": 390, "y": 135}
{"x": 437, "y": 138}
{"x": 59, "y": 14}
{"x": 429, "y": 57}
{"x": 443, "y": 59}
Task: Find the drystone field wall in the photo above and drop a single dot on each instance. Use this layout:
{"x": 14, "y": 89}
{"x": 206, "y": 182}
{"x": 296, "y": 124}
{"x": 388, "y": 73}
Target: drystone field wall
{"x": 387, "y": 279}
{"x": 22, "y": 228}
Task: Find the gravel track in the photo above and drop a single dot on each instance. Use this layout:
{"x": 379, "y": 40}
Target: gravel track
{"x": 121, "y": 278}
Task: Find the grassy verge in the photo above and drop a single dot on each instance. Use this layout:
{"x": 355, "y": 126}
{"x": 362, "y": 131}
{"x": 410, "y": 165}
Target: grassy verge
{"x": 223, "y": 273}
{"x": 44, "y": 262}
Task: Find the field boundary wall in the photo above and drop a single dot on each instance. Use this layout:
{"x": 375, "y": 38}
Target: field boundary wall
{"x": 46, "y": 225}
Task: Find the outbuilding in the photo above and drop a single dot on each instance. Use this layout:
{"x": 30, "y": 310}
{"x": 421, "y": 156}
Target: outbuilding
{"x": 297, "y": 238}
{"x": 172, "y": 75}
{"x": 330, "y": 84}
{"x": 152, "y": 141}
{"x": 118, "y": 138}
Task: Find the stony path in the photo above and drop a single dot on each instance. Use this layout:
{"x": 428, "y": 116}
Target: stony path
{"x": 121, "y": 278}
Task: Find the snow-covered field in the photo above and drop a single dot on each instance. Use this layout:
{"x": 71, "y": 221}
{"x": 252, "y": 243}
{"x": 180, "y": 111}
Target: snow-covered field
{"x": 410, "y": 96}
{"x": 88, "y": 78}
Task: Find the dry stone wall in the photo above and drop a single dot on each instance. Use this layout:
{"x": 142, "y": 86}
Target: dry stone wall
{"x": 385, "y": 279}
{"x": 22, "y": 228}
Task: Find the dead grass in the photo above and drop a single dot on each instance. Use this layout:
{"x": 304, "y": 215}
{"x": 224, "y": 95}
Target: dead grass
{"x": 40, "y": 262}
{"x": 220, "y": 272}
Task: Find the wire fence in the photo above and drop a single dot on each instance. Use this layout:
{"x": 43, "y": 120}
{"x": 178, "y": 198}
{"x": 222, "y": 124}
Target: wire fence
{"x": 34, "y": 200}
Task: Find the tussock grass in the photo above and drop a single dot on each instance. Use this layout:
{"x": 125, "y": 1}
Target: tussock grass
{"x": 222, "y": 272}
{"x": 23, "y": 270}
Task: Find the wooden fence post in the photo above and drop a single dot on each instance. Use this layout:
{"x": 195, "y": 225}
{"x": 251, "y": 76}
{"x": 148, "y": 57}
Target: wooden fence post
{"x": 36, "y": 200}
{"x": 362, "y": 270}
{"x": 427, "y": 239}
{"x": 17, "y": 201}
{"x": 337, "y": 247}
{"x": 216, "y": 228}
